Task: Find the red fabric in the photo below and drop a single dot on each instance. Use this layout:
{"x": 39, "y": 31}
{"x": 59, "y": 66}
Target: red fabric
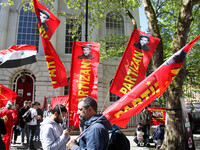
{"x": 52, "y": 23}
{"x": 16, "y": 117}
{"x": 45, "y": 103}
{"x": 158, "y": 115}
{"x": 76, "y": 120}
{"x": 56, "y": 69}
{"x": 83, "y": 75}
{"x": 147, "y": 90}
{"x": 59, "y": 99}
{"x": 11, "y": 116}
{"x": 5, "y": 95}
{"x": 71, "y": 118}
{"x": 133, "y": 65}
{"x": 7, "y": 137}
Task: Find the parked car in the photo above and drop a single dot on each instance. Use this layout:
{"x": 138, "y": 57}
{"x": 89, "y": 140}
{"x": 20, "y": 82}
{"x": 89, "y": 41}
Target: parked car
{"x": 194, "y": 118}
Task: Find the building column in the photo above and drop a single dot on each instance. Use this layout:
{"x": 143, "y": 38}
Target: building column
{"x": 4, "y": 15}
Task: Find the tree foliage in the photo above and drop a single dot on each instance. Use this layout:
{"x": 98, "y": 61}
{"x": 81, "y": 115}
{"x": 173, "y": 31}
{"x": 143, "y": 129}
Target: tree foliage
{"x": 175, "y": 22}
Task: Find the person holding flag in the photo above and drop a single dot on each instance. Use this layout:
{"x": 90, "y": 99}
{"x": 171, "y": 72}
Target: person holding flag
{"x": 52, "y": 135}
{"x": 95, "y": 135}
{"x": 11, "y": 118}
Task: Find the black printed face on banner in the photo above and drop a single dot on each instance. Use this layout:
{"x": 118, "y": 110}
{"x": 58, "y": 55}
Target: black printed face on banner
{"x": 144, "y": 39}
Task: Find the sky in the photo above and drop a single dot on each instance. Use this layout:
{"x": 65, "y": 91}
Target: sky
{"x": 143, "y": 20}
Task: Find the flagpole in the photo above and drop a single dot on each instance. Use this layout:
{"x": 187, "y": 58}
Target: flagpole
{"x": 88, "y": 128}
{"x": 86, "y": 22}
{"x": 104, "y": 103}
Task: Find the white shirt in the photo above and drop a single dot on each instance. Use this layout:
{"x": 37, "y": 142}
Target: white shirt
{"x": 33, "y": 114}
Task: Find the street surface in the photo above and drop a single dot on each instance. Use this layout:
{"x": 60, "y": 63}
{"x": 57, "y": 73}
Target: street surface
{"x": 37, "y": 144}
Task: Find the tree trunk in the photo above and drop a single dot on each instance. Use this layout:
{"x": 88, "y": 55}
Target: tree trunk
{"x": 174, "y": 137}
{"x": 174, "y": 132}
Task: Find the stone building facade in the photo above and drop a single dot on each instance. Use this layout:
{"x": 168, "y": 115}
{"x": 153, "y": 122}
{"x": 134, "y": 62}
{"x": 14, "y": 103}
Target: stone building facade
{"x": 32, "y": 82}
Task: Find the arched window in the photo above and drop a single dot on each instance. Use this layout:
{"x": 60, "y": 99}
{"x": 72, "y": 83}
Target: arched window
{"x": 114, "y": 24}
{"x": 113, "y": 97}
{"x": 28, "y": 32}
{"x": 68, "y": 36}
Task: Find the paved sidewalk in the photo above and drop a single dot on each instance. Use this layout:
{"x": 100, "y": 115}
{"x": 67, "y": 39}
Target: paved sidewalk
{"x": 38, "y": 146}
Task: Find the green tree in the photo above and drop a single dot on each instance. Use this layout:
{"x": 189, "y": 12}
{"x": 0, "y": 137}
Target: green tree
{"x": 173, "y": 21}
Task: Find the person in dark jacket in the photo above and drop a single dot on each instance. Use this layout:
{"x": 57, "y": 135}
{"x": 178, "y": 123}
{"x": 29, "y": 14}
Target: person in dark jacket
{"x": 2, "y": 132}
{"x": 96, "y": 137}
{"x": 23, "y": 125}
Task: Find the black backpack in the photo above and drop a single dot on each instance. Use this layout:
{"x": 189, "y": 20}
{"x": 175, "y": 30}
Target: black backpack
{"x": 27, "y": 116}
{"x": 118, "y": 141}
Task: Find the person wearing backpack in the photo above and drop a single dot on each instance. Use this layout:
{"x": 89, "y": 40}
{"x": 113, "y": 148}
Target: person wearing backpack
{"x": 95, "y": 136}
{"x": 117, "y": 139}
{"x": 32, "y": 124}
{"x": 22, "y": 124}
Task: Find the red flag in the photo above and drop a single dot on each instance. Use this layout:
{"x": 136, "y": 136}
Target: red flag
{"x": 134, "y": 62}
{"x": 59, "y": 100}
{"x": 5, "y": 95}
{"x": 45, "y": 103}
{"x": 56, "y": 69}
{"x": 157, "y": 115}
{"x": 147, "y": 90}
{"x": 47, "y": 21}
{"x": 83, "y": 75}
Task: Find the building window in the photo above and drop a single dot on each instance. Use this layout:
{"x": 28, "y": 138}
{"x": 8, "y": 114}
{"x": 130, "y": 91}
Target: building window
{"x": 66, "y": 88}
{"x": 113, "y": 97}
{"x": 28, "y": 32}
{"x": 69, "y": 38}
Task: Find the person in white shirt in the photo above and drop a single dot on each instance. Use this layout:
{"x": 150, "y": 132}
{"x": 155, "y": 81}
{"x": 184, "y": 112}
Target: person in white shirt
{"x": 32, "y": 124}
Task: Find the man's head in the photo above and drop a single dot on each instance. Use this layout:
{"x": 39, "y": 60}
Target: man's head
{"x": 29, "y": 103}
{"x": 34, "y": 105}
{"x": 44, "y": 15}
{"x": 25, "y": 104}
{"x": 56, "y": 116}
{"x": 16, "y": 106}
{"x": 86, "y": 50}
{"x": 87, "y": 107}
{"x": 144, "y": 39}
{"x": 9, "y": 104}
{"x": 38, "y": 105}
{"x": 49, "y": 107}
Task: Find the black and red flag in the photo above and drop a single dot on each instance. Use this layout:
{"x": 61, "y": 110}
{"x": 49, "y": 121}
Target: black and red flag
{"x": 147, "y": 90}
{"x": 6, "y": 95}
{"x": 47, "y": 25}
{"x": 47, "y": 21}
{"x": 134, "y": 62}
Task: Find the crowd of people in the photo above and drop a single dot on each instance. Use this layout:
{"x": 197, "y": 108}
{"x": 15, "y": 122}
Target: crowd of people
{"x": 48, "y": 127}
{"x": 12, "y": 119}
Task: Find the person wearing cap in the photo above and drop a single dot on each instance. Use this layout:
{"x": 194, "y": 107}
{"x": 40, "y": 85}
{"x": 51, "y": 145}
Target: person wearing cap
{"x": 9, "y": 114}
{"x": 144, "y": 39}
{"x": 86, "y": 53}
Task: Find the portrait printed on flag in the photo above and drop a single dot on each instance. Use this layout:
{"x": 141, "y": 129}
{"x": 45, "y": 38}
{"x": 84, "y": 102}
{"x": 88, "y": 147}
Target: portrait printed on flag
{"x": 44, "y": 16}
{"x": 86, "y": 53}
{"x": 144, "y": 39}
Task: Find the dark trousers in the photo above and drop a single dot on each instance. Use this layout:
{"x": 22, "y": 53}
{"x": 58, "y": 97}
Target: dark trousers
{"x": 15, "y": 132}
{"x": 32, "y": 129}
{"x": 24, "y": 131}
